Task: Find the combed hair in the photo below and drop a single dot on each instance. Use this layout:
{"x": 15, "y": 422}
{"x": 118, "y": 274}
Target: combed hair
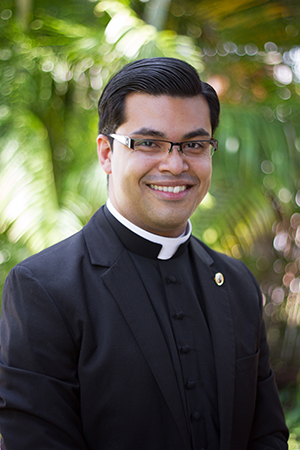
{"x": 153, "y": 76}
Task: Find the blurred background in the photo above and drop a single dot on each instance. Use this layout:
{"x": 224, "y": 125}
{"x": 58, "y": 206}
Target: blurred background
{"x": 55, "y": 58}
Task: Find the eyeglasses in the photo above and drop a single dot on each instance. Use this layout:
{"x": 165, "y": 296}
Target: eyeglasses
{"x": 157, "y": 147}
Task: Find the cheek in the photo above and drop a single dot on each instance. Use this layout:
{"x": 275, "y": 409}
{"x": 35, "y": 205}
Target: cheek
{"x": 204, "y": 171}
{"x": 135, "y": 170}
{"x": 209, "y": 172}
{"x": 127, "y": 174}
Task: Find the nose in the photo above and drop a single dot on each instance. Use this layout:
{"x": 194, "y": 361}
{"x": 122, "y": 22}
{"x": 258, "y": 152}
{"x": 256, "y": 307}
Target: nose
{"x": 174, "y": 161}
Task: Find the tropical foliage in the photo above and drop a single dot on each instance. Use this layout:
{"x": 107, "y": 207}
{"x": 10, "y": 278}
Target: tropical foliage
{"x": 54, "y": 60}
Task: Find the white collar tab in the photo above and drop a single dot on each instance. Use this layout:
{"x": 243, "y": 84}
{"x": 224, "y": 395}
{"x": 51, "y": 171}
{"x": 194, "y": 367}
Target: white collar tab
{"x": 169, "y": 245}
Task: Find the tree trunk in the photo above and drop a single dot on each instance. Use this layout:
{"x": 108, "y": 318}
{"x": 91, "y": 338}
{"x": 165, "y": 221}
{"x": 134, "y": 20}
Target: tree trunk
{"x": 24, "y": 11}
{"x": 156, "y": 13}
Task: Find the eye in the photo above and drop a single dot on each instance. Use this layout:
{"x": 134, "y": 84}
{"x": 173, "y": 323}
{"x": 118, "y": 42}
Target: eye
{"x": 195, "y": 146}
{"x": 146, "y": 144}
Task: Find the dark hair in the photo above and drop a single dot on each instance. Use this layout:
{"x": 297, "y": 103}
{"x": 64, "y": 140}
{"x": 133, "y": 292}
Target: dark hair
{"x": 154, "y": 76}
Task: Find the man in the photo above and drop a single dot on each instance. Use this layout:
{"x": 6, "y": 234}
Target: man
{"x": 132, "y": 334}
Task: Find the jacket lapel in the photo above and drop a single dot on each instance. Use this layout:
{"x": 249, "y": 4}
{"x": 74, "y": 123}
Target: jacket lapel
{"x": 222, "y": 332}
{"x": 123, "y": 282}
{"x": 125, "y": 285}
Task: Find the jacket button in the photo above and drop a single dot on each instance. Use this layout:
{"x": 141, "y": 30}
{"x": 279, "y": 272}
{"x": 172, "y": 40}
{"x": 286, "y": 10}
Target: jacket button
{"x": 179, "y": 315}
{"x": 185, "y": 349}
{"x": 196, "y": 416}
{"x": 171, "y": 279}
{"x": 190, "y": 384}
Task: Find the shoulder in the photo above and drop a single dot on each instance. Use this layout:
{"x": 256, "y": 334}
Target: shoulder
{"x": 238, "y": 277}
{"x": 58, "y": 256}
{"x": 49, "y": 274}
{"x": 240, "y": 289}
{"x": 62, "y": 263}
{"x": 65, "y": 253}
{"x": 219, "y": 257}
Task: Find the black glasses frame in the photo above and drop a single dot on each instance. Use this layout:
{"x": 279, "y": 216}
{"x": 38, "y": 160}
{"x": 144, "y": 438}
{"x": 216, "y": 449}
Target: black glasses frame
{"x": 129, "y": 142}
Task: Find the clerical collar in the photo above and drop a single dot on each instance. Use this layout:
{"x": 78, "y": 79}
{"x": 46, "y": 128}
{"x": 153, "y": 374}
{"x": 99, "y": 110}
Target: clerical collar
{"x": 168, "y": 246}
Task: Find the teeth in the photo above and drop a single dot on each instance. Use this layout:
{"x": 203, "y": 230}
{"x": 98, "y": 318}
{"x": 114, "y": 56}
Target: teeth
{"x": 174, "y": 189}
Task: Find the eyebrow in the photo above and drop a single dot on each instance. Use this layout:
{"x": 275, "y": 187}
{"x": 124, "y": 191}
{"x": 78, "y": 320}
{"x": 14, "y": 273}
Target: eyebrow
{"x": 149, "y": 132}
{"x": 159, "y": 134}
{"x": 196, "y": 133}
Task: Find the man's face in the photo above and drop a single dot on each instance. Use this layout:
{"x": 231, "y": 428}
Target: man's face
{"x": 136, "y": 180}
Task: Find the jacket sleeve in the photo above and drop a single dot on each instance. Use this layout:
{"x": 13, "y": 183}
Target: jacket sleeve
{"x": 268, "y": 431}
{"x": 39, "y": 387}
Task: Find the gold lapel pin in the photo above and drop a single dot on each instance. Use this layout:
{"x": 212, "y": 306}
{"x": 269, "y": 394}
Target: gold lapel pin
{"x": 219, "y": 278}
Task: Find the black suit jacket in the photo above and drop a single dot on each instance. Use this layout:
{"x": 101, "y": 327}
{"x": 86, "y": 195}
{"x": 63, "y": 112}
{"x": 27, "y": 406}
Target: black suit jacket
{"x": 84, "y": 364}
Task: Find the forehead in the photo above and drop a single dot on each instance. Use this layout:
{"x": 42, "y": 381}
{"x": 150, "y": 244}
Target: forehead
{"x": 165, "y": 113}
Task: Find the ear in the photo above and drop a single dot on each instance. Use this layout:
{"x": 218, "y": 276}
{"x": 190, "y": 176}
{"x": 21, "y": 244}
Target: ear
{"x": 104, "y": 153}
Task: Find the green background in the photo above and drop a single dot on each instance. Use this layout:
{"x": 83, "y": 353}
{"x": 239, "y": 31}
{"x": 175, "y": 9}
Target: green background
{"x": 55, "y": 57}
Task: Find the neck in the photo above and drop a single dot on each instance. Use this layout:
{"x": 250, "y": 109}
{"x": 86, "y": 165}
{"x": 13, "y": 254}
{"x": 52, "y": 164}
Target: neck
{"x": 169, "y": 245}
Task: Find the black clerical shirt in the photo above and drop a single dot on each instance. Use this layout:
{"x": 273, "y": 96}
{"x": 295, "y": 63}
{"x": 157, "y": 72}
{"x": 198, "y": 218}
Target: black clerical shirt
{"x": 174, "y": 290}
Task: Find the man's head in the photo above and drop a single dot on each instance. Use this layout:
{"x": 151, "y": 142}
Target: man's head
{"x": 156, "y": 185}
{"x": 154, "y": 76}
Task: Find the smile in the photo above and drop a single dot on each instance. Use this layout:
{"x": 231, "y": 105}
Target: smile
{"x": 174, "y": 189}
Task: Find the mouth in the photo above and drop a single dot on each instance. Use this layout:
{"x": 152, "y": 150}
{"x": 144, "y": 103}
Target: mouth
{"x": 173, "y": 189}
